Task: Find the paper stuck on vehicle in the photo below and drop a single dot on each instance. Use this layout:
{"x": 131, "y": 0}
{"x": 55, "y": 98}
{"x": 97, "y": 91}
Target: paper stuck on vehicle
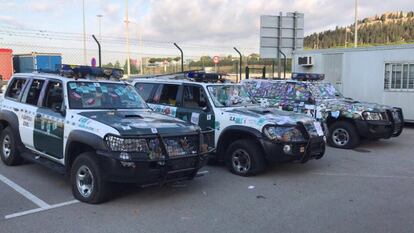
{"x": 318, "y": 128}
{"x": 195, "y": 118}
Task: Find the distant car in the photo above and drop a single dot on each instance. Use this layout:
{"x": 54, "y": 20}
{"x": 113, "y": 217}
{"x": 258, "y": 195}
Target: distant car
{"x": 348, "y": 120}
{"x": 247, "y": 136}
{"x": 96, "y": 131}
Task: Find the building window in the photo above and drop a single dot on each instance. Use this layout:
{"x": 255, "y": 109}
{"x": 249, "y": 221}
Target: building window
{"x": 399, "y": 76}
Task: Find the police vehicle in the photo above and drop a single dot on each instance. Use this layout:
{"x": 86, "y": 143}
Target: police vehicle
{"x": 348, "y": 120}
{"x": 247, "y": 136}
{"x": 97, "y": 131}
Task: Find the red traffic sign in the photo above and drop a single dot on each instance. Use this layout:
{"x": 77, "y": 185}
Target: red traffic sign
{"x": 216, "y": 59}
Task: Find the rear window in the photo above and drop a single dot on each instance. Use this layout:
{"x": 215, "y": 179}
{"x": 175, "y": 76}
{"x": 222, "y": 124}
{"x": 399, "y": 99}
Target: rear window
{"x": 145, "y": 90}
{"x": 16, "y": 88}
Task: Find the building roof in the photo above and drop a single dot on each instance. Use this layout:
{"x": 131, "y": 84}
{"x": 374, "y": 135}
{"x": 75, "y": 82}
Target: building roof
{"x": 358, "y": 49}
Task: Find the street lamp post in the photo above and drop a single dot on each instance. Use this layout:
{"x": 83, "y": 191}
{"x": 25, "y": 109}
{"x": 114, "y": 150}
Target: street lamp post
{"x": 127, "y": 39}
{"x": 100, "y": 26}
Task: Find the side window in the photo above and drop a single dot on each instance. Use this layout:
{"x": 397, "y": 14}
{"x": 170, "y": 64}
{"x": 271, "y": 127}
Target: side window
{"x": 166, "y": 94}
{"x": 145, "y": 90}
{"x": 16, "y": 88}
{"x": 194, "y": 97}
{"x": 297, "y": 92}
{"x": 33, "y": 94}
{"x": 54, "y": 95}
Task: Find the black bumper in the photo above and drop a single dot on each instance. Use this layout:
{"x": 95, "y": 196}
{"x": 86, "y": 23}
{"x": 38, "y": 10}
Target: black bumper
{"x": 393, "y": 127}
{"x": 300, "y": 152}
{"x": 146, "y": 172}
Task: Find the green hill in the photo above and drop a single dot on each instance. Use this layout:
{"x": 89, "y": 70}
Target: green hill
{"x": 388, "y": 28}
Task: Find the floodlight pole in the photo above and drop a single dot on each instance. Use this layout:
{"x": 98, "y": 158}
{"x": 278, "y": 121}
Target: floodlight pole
{"x": 284, "y": 63}
{"x": 99, "y": 50}
{"x": 84, "y": 33}
{"x": 240, "y": 63}
{"x": 182, "y": 56}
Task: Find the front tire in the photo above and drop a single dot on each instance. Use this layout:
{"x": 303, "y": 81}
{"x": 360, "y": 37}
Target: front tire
{"x": 343, "y": 135}
{"x": 245, "y": 158}
{"x": 9, "y": 153}
{"x": 87, "y": 180}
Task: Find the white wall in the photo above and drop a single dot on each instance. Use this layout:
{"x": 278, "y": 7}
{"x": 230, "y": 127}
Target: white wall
{"x": 363, "y": 74}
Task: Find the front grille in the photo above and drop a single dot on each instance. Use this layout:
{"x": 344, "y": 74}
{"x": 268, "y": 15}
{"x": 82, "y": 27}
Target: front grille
{"x": 310, "y": 128}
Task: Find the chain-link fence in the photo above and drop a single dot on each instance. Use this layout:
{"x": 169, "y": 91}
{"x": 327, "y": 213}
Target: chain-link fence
{"x": 146, "y": 56}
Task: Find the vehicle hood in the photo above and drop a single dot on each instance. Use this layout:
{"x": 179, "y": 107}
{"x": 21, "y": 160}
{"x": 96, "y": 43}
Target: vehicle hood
{"x": 262, "y": 116}
{"x": 131, "y": 123}
{"x": 351, "y": 108}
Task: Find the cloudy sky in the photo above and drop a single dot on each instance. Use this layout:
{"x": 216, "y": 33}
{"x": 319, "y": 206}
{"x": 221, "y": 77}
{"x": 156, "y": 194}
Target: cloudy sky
{"x": 215, "y": 23}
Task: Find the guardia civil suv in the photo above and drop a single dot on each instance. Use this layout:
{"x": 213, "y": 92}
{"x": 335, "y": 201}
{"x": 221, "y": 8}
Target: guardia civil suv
{"x": 247, "y": 136}
{"x": 96, "y": 131}
{"x": 348, "y": 120}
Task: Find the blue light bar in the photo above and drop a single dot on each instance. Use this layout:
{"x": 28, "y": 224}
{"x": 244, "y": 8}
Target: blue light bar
{"x": 78, "y": 71}
{"x": 308, "y": 76}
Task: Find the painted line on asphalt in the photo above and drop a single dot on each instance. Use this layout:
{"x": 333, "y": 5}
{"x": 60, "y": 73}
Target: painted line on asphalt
{"x": 27, "y": 212}
{"x": 37, "y": 201}
{"x": 362, "y": 175}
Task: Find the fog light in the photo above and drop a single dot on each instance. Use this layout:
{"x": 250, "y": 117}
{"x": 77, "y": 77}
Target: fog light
{"x": 286, "y": 149}
{"x": 128, "y": 164}
{"x": 124, "y": 156}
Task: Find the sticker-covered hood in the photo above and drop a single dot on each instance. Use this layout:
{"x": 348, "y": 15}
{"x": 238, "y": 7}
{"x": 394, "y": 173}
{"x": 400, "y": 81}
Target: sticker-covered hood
{"x": 349, "y": 105}
{"x": 264, "y": 116}
{"x": 138, "y": 122}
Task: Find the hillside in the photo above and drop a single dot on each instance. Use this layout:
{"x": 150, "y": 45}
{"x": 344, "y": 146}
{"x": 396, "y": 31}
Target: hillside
{"x": 389, "y": 28}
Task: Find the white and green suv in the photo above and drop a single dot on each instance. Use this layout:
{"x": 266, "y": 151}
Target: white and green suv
{"x": 98, "y": 132}
{"x": 246, "y": 135}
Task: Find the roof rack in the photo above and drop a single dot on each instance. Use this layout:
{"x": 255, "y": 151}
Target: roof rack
{"x": 85, "y": 72}
{"x": 308, "y": 77}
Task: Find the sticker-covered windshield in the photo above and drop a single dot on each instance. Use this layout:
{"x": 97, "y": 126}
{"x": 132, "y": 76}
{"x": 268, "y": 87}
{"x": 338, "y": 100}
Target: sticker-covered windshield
{"x": 324, "y": 91}
{"x": 100, "y": 95}
{"x": 230, "y": 96}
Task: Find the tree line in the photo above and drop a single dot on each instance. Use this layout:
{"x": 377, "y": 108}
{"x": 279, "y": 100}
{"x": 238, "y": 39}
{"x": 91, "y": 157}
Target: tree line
{"x": 391, "y": 28}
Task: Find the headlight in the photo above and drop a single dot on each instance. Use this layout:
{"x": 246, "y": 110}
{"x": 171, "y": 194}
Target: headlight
{"x": 372, "y": 116}
{"x": 126, "y": 144}
{"x": 284, "y": 134}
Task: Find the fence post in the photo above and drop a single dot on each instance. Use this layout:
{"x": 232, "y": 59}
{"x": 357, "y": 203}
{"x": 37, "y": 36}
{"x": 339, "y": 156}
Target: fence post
{"x": 182, "y": 57}
{"x": 99, "y": 50}
{"x": 240, "y": 64}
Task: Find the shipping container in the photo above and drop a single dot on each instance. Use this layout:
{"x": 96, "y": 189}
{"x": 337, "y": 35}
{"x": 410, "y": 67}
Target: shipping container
{"x": 6, "y": 63}
{"x": 27, "y": 63}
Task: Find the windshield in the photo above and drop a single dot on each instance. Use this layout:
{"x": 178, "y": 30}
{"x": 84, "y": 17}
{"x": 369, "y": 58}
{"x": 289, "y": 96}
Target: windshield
{"x": 100, "y": 95}
{"x": 324, "y": 91}
{"x": 230, "y": 96}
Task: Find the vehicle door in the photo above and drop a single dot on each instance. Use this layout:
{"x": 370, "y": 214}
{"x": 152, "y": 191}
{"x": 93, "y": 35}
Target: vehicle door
{"x": 195, "y": 107}
{"x": 12, "y": 103}
{"x": 31, "y": 102}
{"x": 164, "y": 99}
{"x": 49, "y": 120}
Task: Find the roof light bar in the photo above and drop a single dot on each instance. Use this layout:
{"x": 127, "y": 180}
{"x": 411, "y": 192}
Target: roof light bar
{"x": 308, "y": 76}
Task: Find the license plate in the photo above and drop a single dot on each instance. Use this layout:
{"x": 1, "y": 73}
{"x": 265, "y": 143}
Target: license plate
{"x": 318, "y": 128}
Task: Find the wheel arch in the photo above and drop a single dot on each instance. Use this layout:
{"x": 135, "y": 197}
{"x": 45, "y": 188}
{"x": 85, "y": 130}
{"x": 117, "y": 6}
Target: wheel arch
{"x": 79, "y": 142}
{"x": 8, "y": 118}
{"x": 232, "y": 134}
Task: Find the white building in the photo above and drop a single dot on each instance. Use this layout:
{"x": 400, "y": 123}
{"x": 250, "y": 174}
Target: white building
{"x": 381, "y": 74}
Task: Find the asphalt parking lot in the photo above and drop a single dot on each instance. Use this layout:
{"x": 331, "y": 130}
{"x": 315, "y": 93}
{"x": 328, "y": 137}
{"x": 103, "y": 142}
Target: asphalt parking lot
{"x": 365, "y": 190}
